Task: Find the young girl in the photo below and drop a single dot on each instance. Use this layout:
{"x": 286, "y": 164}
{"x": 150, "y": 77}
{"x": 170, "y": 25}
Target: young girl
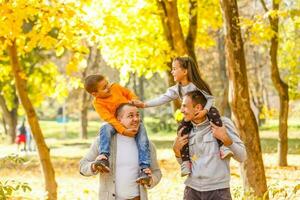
{"x": 186, "y": 73}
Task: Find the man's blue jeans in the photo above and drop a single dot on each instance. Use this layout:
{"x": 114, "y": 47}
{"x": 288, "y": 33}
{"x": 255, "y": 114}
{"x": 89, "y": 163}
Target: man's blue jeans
{"x": 141, "y": 138}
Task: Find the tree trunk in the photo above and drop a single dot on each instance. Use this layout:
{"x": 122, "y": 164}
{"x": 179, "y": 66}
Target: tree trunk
{"x": 168, "y": 36}
{"x": 4, "y": 125}
{"x": 282, "y": 89}
{"x": 141, "y": 93}
{"x": 253, "y": 168}
{"x": 92, "y": 64}
{"x": 134, "y": 83}
{"x": 224, "y": 107}
{"x": 192, "y": 33}
{"x": 174, "y": 35}
{"x": 43, "y": 150}
{"x": 179, "y": 44}
{"x": 257, "y": 90}
{"x": 10, "y": 117}
{"x": 84, "y": 116}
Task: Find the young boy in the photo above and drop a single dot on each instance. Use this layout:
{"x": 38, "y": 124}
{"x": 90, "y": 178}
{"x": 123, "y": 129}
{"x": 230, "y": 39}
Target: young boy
{"x": 108, "y": 97}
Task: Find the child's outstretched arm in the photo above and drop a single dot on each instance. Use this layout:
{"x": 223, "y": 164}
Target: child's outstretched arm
{"x": 138, "y": 103}
{"x": 171, "y": 94}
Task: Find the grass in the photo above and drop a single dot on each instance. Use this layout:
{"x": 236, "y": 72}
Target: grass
{"x": 66, "y": 151}
{"x": 164, "y": 139}
{"x": 272, "y": 125}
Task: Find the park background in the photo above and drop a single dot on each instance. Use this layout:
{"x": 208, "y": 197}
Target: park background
{"x": 247, "y": 51}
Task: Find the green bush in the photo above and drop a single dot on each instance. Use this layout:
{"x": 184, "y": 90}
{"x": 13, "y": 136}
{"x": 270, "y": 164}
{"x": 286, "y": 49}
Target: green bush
{"x": 8, "y": 187}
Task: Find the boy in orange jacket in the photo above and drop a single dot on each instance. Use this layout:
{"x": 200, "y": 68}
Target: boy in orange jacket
{"x": 108, "y": 97}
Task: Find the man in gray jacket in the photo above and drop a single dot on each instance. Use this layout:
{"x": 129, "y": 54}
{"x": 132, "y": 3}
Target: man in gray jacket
{"x": 210, "y": 176}
{"x": 120, "y": 182}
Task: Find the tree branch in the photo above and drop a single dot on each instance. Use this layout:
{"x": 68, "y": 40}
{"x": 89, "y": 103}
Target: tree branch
{"x": 263, "y": 3}
{"x": 192, "y": 33}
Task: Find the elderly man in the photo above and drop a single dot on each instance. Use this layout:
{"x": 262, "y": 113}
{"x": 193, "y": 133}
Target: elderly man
{"x": 120, "y": 182}
{"x": 210, "y": 176}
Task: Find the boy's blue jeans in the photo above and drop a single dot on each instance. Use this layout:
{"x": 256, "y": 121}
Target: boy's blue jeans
{"x": 141, "y": 138}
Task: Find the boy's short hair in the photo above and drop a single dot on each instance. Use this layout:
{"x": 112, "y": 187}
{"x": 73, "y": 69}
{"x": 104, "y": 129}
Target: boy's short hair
{"x": 197, "y": 97}
{"x": 91, "y": 81}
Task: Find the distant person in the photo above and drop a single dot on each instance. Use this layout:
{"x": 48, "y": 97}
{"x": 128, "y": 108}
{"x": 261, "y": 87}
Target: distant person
{"x": 21, "y": 136}
{"x": 186, "y": 73}
{"x": 210, "y": 175}
{"x": 120, "y": 183}
{"x": 108, "y": 97}
{"x": 61, "y": 116}
{"x": 30, "y": 145}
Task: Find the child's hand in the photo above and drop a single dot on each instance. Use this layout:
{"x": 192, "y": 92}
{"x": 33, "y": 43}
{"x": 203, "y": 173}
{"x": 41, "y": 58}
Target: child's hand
{"x": 149, "y": 173}
{"x": 130, "y": 132}
{"x": 201, "y": 114}
{"x": 138, "y": 103}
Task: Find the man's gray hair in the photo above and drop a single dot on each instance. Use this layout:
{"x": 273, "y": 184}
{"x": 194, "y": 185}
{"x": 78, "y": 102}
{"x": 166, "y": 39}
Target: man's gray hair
{"x": 120, "y": 108}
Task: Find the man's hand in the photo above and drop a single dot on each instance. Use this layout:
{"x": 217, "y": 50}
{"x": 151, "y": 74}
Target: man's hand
{"x": 179, "y": 142}
{"x": 221, "y": 134}
{"x": 130, "y": 132}
{"x": 138, "y": 103}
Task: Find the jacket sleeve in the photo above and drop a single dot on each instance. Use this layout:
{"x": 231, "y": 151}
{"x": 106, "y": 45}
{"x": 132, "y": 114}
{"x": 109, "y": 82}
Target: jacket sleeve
{"x": 86, "y": 162}
{"x": 237, "y": 146}
{"x": 210, "y": 100}
{"x": 108, "y": 117}
{"x": 156, "y": 172}
{"x": 171, "y": 94}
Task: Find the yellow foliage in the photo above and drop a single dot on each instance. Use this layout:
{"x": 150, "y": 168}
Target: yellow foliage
{"x": 59, "y": 51}
{"x": 47, "y": 42}
{"x": 22, "y": 75}
{"x": 39, "y": 24}
{"x": 178, "y": 115}
{"x": 268, "y": 113}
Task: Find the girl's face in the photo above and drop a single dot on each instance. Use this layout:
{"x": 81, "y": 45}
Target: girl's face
{"x": 178, "y": 72}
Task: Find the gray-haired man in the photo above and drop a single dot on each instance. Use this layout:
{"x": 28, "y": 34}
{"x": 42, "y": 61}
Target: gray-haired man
{"x": 120, "y": 183}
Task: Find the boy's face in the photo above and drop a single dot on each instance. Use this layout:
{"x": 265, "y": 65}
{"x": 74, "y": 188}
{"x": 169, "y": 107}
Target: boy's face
{"x": 103, "y": 89}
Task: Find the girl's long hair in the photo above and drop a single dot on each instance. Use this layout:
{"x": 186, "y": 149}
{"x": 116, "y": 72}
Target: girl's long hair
{"x": 191, "y": 66}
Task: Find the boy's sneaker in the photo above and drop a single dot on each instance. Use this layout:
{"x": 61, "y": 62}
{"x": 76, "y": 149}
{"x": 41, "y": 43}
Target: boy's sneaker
{"x": 186, "y": 168}
{"x": 143, "y": 178}
{"x": 225, "y": 153}
{"x": 103, "y": 165}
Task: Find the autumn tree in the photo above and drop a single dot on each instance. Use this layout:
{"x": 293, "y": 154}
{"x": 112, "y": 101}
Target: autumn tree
{"x": 93, "y": 59}
{"x": 9, "y": 103}
{"x": 224, "y": 106}
{"x": 280, "y": 85}
{"x": 278, "y": 28}
{"x": 253, "y": 168}
{"x": 53, "y": 25}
